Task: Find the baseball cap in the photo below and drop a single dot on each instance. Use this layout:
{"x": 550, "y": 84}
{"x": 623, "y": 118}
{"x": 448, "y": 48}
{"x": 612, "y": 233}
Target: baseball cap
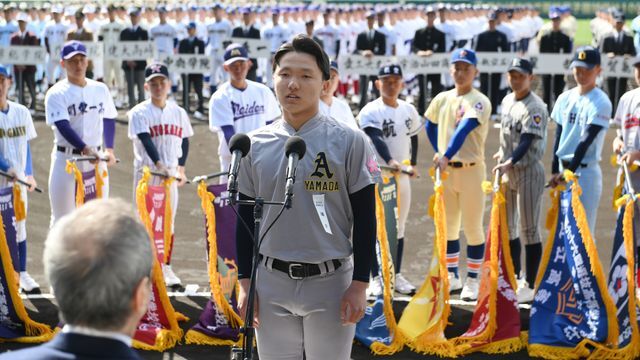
{"x": 23, "y": 17}
{"x": 389, "y": 70}
{"x": 619, "y": 17}
{"x": 72, "y": 48}
{"x": 334, "y": 65}
{"x": 492, "y": 15}
{"x": 192, "y": 25}
{"x": 464, "y": 55}
{"x": 553, "y": 15}
{"x": 586, "y": 56}
{"x": 521, "y": 65}
{"x": 133, "y": 11}
{"x": 57, "y": 9}
{"x": 4, "y": 72}
{"x": 155, "y": 70}
{"x": 235, "y": 52}
{"x": 429, "y": 9}
{"x": 371, "y": 14}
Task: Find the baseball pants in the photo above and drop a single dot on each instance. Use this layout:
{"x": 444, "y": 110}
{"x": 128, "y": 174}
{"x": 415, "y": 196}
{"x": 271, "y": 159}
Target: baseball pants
{"x": 590, "y": 180}
{"x": 301, "y": 318}
{"x": 113, "y": 74}
{"x": 524, "y": 189}
{"x": 62, "y": 185}
{"x": 464, "y": 199}
{"x": 52, "y": 66}
{"x": 404, "y": 202}
{"x": 157, "y": 181}
{"x": 218, "y": 75}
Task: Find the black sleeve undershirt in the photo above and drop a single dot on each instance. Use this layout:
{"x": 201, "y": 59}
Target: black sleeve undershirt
{"x": 151, "y": 150}
{"x": 523, "y": 146}
{"x": 378, "y": 143}
{"x": 185, "y": 152}
{"x": 586, "y": 141}
{"x": 414, "y": 150}
{"x": 555, "y": 163}
{"x": 363, "y": 204}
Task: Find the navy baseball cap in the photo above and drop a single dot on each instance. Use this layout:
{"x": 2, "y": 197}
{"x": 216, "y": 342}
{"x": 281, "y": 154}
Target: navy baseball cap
{"x": 73, "y": 48}
{"x": 192, "y": 25}
{"x": 554, "y": 15}
{"x": 389, "y": 70}
{"x": 155, "y": 70}
{"x": 464, "y": 55}
{"x": 4, "y": 72}
{"x": 235, "y": 52}
{"x": 521, "y": 65}
{"x": 334, "y": 65}
{"x": 586, "y": 57}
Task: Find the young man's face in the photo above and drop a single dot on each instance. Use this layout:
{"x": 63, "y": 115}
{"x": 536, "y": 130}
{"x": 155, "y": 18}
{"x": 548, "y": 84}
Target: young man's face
{"x": 158, "y": 87}
{"x": 298, "y": 82}
{"x": 334, "y": 81}
{"x": 76, "y": 66}
{"x": 238, "y": 69}
{"x": 518, "y": 81}
{"x": 463, "y": 73}
{"x": 585, "y": 76}
{"x": 390, "y": 86}
{"x": 5, "y": 85}
{"x": 636, "y": 73}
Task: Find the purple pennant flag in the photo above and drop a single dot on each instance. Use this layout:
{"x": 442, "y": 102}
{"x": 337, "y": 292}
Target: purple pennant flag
{"x": 9, "y": 219}
{"x": 89, "y": 181}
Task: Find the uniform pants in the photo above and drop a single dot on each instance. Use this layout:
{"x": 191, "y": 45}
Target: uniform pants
{"x": 464, "y": 203}
{"x": 616, "y": 87}
{"x": 558, "y": 87}
{"x": 436, "y": 88}
{"x": 135, "y": 79}
{"x": 113, "y": 74}
{"x": 28, "y": 80}
{"x": 404, "y": 202}
{"x": 364, "y": 89}
{"x": 301, "y": 318}
{"x": 53, "y": 64}
{"x": 590, "y": 180}
{"x": 195, "y": 81}
{"x": 218, "y": 75}
{"x": 524, "y": 189}
{"x": 62, "y": 185}
{"x": 490, "y": 86}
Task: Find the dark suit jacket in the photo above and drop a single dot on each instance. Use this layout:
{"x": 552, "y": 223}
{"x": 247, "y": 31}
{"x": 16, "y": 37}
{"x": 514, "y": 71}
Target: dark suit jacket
{"x": 492, "y": 41}
{"x": 129, "y": 35}
{"x": 69, "y": 346}
{"x": 253, "y": 33}
{"x": 28, "y": 39}
{"x": 187, "y": 46}
{"x": 610, "y": 44}
{"x": 378, "y": 45}
{"x": 428, "y": 39}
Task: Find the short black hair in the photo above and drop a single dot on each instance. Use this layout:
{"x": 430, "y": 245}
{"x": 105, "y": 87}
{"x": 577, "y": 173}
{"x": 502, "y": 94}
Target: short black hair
{"x": 304, "y": 44}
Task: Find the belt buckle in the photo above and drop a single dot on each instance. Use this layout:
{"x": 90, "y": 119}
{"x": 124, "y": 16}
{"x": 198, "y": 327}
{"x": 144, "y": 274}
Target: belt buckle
{"x": 292, "y": 268}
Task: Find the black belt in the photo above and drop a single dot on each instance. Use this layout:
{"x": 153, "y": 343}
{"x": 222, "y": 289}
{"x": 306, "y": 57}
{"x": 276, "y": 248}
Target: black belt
{"x": 74, "y": 151}
{"x": 458, "y": 164}
{"x": 298, "y": 270}
{"x": 566, "y": 163}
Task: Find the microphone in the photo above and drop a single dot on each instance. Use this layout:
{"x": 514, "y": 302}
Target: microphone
{"x": 294, "y": 150}
{"x": 239, "y": 145}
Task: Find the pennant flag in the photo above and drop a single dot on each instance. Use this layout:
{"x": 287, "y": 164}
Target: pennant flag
{"x": 424, "y": 319}
{"x": 492, "y": 331}
{"x": 158, "y": 329}
{"x": 15, "y": 324}
{"x": 88, "y": 184}
{"x": 219, "y": 323}
{"x": 158, "y": 200}
{"x": 572, "y": 312}
{"x": 378, "y": 329}
{"x": 622, "y": 280}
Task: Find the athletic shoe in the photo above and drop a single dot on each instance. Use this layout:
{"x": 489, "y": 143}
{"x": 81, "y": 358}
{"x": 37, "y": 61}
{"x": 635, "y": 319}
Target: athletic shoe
{"x": 455, "y": 283}
{"x": 403, "y": 286}
{"x": 525, "y": 294}
{"x": 27, "y": 284}
{"x": 198, "y": 115}
{"x": 470, "y": 289}
{"x": 170, "y": 278}
{"x": 375, "y": 286}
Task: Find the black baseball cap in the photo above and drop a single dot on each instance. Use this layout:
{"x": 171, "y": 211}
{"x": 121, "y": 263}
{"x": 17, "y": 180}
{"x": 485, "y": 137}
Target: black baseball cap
{"x": 389, "y": 70}
{"x": 521, "y": 65}
{"x": 586, "y": 57}
{"x": 155, "y": 70}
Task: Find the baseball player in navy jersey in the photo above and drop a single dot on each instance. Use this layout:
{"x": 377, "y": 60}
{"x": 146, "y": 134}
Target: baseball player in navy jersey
{"x": 82, "y": 115}
{"x": 523, "y": 135}
{"x": 16, "y": 131}
{"x": 393, "y": 126}
{"x": 315, "y": 260}
{"x": 239, "y": 105}
{"x": 160, "y": 131}
{"x": 582, "y": 116}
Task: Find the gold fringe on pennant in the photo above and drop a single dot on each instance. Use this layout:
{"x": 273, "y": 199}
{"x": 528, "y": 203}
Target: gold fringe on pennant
{"x": 167, "y": 225}
{"x": 35, "y": 331}
{"x": 551, "y": 224}
{"x": 99, "y": 180}
{"x": 72, "y": 168}
{"x": 397, "y": 342}
{"x": 617, "y": 190}
{"x": 198, "y": 338}
{"x": 222, "y": 304}
{"x": 18, "y": 203}
{"x": 506, "y": 346}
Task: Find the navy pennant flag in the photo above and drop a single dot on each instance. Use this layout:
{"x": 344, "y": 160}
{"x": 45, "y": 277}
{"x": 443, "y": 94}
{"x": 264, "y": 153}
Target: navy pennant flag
{"x": 572, "y": 314}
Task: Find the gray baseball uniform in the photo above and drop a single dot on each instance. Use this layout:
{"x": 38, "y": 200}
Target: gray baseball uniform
{"x": 304, "y": 315}
{"x": 525, "y": 181}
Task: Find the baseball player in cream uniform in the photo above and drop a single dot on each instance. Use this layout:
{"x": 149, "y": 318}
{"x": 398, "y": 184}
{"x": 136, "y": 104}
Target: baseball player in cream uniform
{"x": 82, "y": 115}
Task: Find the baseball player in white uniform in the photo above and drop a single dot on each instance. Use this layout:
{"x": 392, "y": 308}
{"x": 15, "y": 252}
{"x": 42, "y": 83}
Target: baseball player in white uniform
{"x": 109, "y": 34}
{"x": 333, "y": 107}
{"x": 16, "y": 130}
{"x": 55, "y": 35}
{"x": 217, "y": 31}
{"x": 160, "y": 131}
{"x": 239, "y": 105}
{"x": 165, "y": 36}
{"x": 82, "y": 115}
{"x": 275, "y": 34}
{"x": 393, "y": 125}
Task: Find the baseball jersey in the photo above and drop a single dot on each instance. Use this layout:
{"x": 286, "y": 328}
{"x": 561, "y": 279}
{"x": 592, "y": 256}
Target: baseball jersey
{"x": 525, "y": 116}
{"x": 338, "y": 162}
{"x": 6, "y": 31}
{"x": 339, "y": 110}
{"x": 110, "y": 32}
{"x": 390, "y": 38}
{"x": 56, "y": 34}
{"x": 84, "y": 107}
{"x": 16, "y": 129}
{"x": 627, "y": 117}
{"x": 574, "y": 112}
{"x": 163, "y": 36}
{"x": 397, "y": 125}
{"x": 329, "y": 35}
{"x": 275, "y": 36}
{"x": 167, "y": 128}
{"x": 216, "y": 32}
{"x": 448, "y": 109}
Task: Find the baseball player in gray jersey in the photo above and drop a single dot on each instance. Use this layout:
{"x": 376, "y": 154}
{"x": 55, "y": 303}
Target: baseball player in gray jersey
{"x": 522, "y": 142}
{"x": 313, "y": 273}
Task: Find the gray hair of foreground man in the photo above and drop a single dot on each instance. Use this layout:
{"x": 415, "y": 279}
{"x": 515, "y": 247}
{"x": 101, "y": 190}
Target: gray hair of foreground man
{"x": 95, "y": 259}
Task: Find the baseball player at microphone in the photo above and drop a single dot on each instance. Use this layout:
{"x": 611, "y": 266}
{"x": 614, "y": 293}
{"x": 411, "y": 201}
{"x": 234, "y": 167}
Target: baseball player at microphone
{"x": 82, "y": 115}
{"x": 160, "y": 131}
{"x": 315, "y": 261}
{"x": 393, "y": 126}
{"x": 16, "y": 131}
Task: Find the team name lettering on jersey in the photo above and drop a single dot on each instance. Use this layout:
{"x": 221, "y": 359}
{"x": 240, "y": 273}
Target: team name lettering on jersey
{"x": 240, "y": 111}
{"x": 165, "y": 129}
{"x": 388, "y": 128}
{"x": 82, "y": 108}
{"x": 631, "y": 121}
{"x": 13, "y": 132}
{"x": 320, "y": 179}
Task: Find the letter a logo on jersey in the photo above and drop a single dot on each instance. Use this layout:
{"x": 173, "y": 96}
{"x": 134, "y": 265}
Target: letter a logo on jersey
{"x": 322, "y": 166}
